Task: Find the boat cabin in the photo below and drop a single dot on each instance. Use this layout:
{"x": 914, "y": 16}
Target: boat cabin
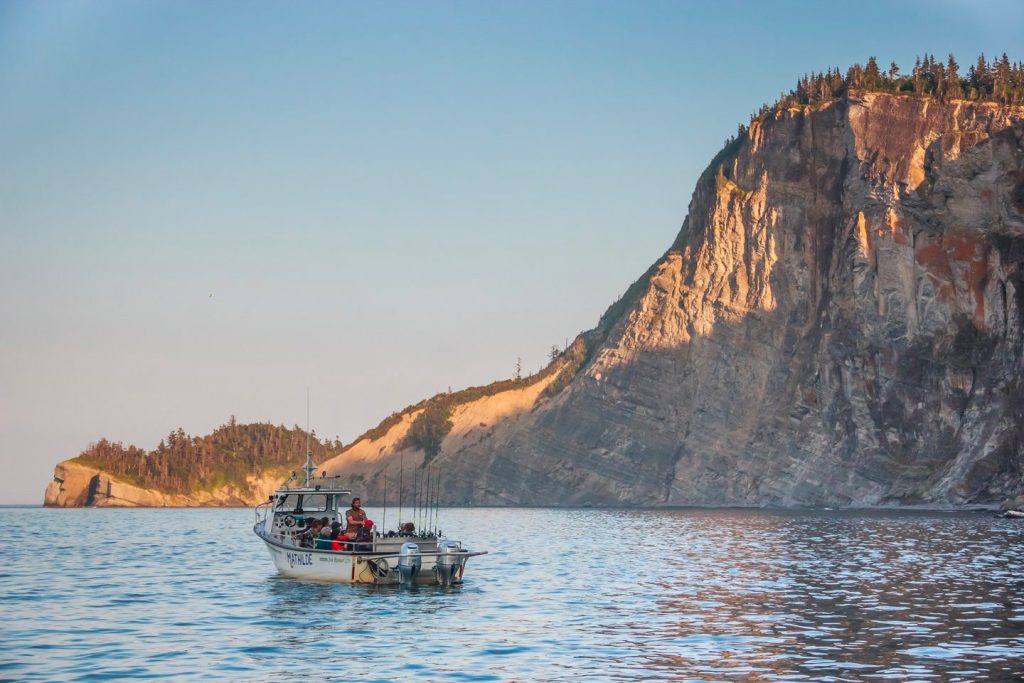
{"x": 291, "y": 508}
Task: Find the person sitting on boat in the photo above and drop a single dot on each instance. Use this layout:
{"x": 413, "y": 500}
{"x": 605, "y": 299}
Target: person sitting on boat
{"x": 339, "y": 541}
{"x": 355, "y": 516}
{"x": 365, "y": 533}
{"x": 307, "y": 537}
{"x": 323, "y": 541}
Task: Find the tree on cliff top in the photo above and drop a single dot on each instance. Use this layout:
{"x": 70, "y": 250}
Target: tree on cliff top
{"x": 872, "y": 76}
{"x": 228, "y": 456}
{"x": 1001, "y": 81}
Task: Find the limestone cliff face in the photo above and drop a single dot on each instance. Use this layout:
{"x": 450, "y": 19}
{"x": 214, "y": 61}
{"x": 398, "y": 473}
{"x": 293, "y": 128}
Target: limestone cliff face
{"x": 77, "y": 485}
{"x": 837, "y": 323}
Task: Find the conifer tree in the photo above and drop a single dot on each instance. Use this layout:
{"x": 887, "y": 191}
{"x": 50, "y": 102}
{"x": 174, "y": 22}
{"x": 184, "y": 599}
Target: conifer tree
{"x": 953, "y": 89}
{"x": 872, "y": 76}
{"x": 854, "y": 77}
{"x": 1001, "y": 85}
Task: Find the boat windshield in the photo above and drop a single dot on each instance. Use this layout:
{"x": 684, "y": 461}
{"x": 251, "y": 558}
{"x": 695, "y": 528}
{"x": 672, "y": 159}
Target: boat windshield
{"x": 309, "y": 502}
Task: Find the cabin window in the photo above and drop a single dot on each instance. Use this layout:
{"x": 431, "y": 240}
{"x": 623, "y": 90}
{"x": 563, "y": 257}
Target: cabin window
{"x": 314, "y": 502}
{"x": 310, "y": 502}
{"x": 288, "y": 503}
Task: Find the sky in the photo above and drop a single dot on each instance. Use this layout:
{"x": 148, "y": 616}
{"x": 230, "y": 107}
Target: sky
{"x": 207, "y": 208}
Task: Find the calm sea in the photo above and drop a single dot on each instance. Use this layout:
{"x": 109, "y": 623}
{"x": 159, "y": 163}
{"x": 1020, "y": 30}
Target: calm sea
{"x": 564, "y": 595}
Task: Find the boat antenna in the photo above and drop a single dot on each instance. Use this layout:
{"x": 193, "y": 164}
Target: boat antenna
{"x": 401, "y": 488}
{"x": 309, "y": 468}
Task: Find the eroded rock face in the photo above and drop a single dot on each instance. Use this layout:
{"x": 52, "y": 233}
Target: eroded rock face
{"x": 837, "y": 323}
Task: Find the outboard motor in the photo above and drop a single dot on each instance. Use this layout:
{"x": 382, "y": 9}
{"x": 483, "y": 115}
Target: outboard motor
{"x": 409, "y": 562}
{"x": 449, "y": 562}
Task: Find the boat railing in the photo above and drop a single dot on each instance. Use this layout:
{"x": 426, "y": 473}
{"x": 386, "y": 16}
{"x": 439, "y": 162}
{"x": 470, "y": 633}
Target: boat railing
{"x": 261, "y": 511}
{"x": 291, "y": 538}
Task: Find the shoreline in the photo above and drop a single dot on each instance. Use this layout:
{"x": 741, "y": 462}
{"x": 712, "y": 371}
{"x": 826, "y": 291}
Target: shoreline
{"x": 974, "y": 508}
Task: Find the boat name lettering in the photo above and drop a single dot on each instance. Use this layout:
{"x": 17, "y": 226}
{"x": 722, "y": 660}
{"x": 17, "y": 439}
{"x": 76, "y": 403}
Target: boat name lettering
{"x": 300, "y": 558}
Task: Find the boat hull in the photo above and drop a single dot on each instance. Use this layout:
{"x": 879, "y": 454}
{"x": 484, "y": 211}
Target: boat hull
{"x": 346, "y": 567}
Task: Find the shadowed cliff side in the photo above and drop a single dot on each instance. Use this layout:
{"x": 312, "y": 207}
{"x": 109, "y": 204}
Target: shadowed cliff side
{"x": 837, "y": 323}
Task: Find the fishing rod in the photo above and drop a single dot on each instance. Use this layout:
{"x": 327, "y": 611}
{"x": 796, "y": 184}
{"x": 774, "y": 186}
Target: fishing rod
{"x": 422, "y": 501}
{"x": 432, "y": 516}
{"x": 384, "y": 523}
{"x": 415, "y": 498}
{"x": 437, "y": 499}
{"x": 423, "y": 480}
{"x": 419, "y": 498}
{"x": 426, "y": 512}
{"x": 401, "y": 472}
{"x": 437, "y": 503}
{"x": 426, "y": 522}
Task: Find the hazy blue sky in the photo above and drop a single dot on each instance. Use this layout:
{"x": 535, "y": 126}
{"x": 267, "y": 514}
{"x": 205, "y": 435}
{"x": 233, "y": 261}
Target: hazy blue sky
{"x": 383, "y": 199}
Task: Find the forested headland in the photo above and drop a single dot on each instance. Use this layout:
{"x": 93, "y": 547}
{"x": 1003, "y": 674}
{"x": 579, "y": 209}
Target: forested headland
{"x": 183, "y": 464}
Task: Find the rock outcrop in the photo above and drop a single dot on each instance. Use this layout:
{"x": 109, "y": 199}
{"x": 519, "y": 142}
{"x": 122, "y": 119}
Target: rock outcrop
{"x": 77, "y": 485}
{"x": 837, "y": 323}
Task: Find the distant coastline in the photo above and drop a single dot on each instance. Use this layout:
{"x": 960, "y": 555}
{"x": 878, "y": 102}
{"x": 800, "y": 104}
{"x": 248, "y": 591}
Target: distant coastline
{"x": 972, "y": 509}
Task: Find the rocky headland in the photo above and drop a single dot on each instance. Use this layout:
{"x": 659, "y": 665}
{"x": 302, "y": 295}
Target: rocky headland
{"x": 236, "y": 465}
{"x": 837, "y": 323}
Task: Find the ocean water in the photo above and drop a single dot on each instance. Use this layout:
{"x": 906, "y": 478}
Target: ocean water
{"x": 563, "y": 595}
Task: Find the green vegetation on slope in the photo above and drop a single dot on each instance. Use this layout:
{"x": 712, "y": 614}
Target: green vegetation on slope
{"x": 435, "y": 418}
{"x": 184, "y": 464}
{"x": 430, "y": 427}
{"x": 574, "y": 357}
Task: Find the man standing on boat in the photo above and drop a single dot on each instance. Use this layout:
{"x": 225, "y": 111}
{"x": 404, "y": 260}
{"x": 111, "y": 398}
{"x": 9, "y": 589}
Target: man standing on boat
{"x": 354, "y": 517}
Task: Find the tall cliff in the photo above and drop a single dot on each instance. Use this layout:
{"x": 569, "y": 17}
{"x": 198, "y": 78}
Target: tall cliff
{"x": 838, "y": 322}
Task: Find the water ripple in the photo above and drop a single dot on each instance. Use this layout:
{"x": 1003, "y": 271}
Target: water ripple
{"x": 691, "y": 595}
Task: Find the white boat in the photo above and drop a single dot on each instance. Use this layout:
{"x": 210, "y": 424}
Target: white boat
{"x": 404, "y": 556}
